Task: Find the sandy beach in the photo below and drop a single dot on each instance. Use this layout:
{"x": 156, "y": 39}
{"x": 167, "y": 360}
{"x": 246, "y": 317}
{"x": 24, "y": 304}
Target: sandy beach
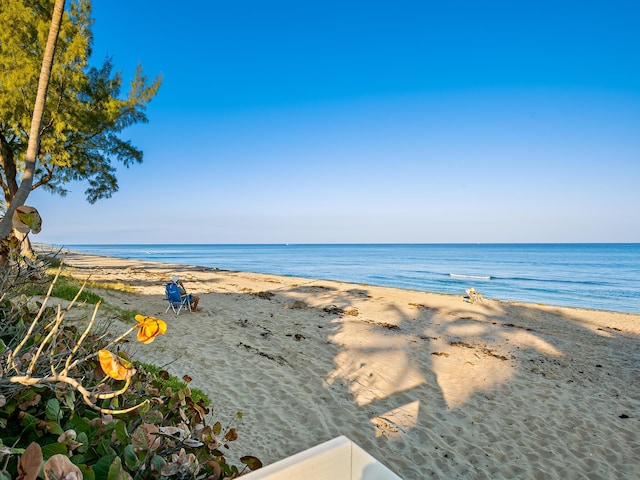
{"x": 429, "y": 384}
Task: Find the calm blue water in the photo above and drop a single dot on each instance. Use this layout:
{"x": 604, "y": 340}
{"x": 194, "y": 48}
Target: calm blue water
{"x": 595, "y": 276}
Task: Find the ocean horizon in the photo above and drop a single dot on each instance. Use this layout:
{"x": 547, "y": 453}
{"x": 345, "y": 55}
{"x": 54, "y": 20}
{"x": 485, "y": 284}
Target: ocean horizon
{"x": 599, "y": 276}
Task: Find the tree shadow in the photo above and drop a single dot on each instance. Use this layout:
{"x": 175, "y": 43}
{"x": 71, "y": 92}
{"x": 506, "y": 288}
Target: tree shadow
{"x": 427, "y": 381}
{"x": 426, "y": 385}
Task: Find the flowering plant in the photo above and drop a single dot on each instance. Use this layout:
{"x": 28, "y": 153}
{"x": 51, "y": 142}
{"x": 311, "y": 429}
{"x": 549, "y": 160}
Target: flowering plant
{"x": 72, "y": 405}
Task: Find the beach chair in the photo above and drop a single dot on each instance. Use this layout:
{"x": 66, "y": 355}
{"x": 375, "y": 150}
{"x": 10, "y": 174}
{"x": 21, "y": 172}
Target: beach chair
{"x": 176, "y": 301}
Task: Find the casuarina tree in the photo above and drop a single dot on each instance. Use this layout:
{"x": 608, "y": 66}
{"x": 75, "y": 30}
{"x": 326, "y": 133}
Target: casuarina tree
{"x": 77, "y": 133}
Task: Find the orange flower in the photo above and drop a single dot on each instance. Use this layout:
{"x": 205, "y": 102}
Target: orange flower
{"x": 114, "y": 366}
{"x": 149, "y": 327}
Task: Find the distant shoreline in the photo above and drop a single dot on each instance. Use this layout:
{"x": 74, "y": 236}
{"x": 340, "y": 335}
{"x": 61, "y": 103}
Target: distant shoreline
{"x": 56, "y": 245}
{"x": 548, "y": 274}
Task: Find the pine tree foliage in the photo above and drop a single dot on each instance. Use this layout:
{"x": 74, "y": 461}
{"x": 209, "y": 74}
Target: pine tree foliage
{"x": 85, "y": 112}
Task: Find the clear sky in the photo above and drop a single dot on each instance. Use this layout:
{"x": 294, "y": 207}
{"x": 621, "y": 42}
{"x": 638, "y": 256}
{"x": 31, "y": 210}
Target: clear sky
{"x": 371, "y": 122}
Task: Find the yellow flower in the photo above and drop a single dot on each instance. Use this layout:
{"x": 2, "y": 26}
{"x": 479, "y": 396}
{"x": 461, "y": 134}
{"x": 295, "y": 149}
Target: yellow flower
{"x": 149, "y": 327}
{"x": 114, "y": 366}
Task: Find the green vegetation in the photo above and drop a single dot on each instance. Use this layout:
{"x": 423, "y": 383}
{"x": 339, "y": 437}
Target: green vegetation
{"x": 63, "y": 405}
{"x": 65, "y": 287}
{"x": 169, "y": 381}
{"x": 72, "y": 404}
{"x": 85, "y": 112}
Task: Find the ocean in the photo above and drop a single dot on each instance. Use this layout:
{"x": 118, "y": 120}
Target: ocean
{"x": 593, "y": 276}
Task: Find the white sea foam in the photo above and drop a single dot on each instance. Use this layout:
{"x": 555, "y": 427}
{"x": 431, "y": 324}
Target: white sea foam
{"x": 472, "y": 277}
{"x": 597, "y": 276}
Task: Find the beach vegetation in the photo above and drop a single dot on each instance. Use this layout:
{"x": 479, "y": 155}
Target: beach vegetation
{"x": 125, "y": 315}
{"x": 74, "y": 404}
{"x": 65, "y": 287}
{"x": 117, "y": 286}
{"x": 165, "y": 380}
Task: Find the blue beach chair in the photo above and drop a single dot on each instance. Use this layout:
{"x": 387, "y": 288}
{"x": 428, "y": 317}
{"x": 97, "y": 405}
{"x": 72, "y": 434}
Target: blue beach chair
{"x": 176, "y": 301}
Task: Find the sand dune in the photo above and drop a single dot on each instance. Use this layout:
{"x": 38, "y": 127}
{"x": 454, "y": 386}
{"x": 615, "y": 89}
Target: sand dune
{"x": 430, "y": 385}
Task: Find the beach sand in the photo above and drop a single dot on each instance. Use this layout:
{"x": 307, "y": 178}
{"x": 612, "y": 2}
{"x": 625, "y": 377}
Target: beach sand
{"x": 429, "y": 384}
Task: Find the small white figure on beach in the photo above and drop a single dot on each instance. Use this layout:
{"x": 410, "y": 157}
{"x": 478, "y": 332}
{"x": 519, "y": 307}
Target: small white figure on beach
{"x": 474, "y": 296}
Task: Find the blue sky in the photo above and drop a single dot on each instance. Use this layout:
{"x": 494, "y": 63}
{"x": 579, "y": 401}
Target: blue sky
{"x": 371, "y": 122}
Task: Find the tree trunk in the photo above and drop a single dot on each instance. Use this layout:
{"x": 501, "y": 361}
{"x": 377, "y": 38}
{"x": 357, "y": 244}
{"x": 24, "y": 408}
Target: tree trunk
{"x": 8, "y": 164}
{"x": 38, "y": 111}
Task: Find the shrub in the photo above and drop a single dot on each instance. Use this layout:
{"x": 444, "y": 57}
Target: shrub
{"x": 72, "y": 399}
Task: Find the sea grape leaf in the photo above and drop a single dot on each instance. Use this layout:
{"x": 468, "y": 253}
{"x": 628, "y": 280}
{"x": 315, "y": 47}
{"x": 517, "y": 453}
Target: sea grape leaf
{"x": 252, "y": 462}
{"x": 69, "y": 399}
{"x": 157, "y": 462}
{"x": 53, "y": 449}
{"x": 231, "y": 435}
{"x": 121, "y": 432}
{"x": 116, "y": 471}
{"x": 216, "y": 469}
{"x": 54, "y": 427}
{"x": 130, "y": 458}
{"x": 101, "y": 468}
{"x": 60, "y": 467}
{"x": 87, "y": 472}
{"x": 144, "y": 437}
{"x": 52, "y": 411}
{"x": 169, "y": 470}
{"x": 28, "y": 421}
{"x": 29, "y": 464}
{"x": 83, "y": 439}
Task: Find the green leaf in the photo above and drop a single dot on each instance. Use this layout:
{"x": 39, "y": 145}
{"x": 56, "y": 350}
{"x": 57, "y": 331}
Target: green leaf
{"x": 28, "y": 421}
{"x": 70, "y": 399}
{"x": 78, "y": 459}
{"x": 130, "y": 458}
{"x": 54, "y": 427}
{"x": 101, "y": 468}
{"x": 10, "y": 407}
{"x": 121, "y": 432}
{"x": 84, "y": 440}
{"x": 115, "y": 470}
{"x": 81, "y": 142}
{"x": 3, "y": 347}
{"x": 79, "y": 424}
{"x": 50, "y": 450}
{"x": 157, "y": 462}
{"x": 87, "y": 472}
{"x": 52, "y": 411}
{"x": 104, "y": 447}
{"x": 13, "y": 451}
